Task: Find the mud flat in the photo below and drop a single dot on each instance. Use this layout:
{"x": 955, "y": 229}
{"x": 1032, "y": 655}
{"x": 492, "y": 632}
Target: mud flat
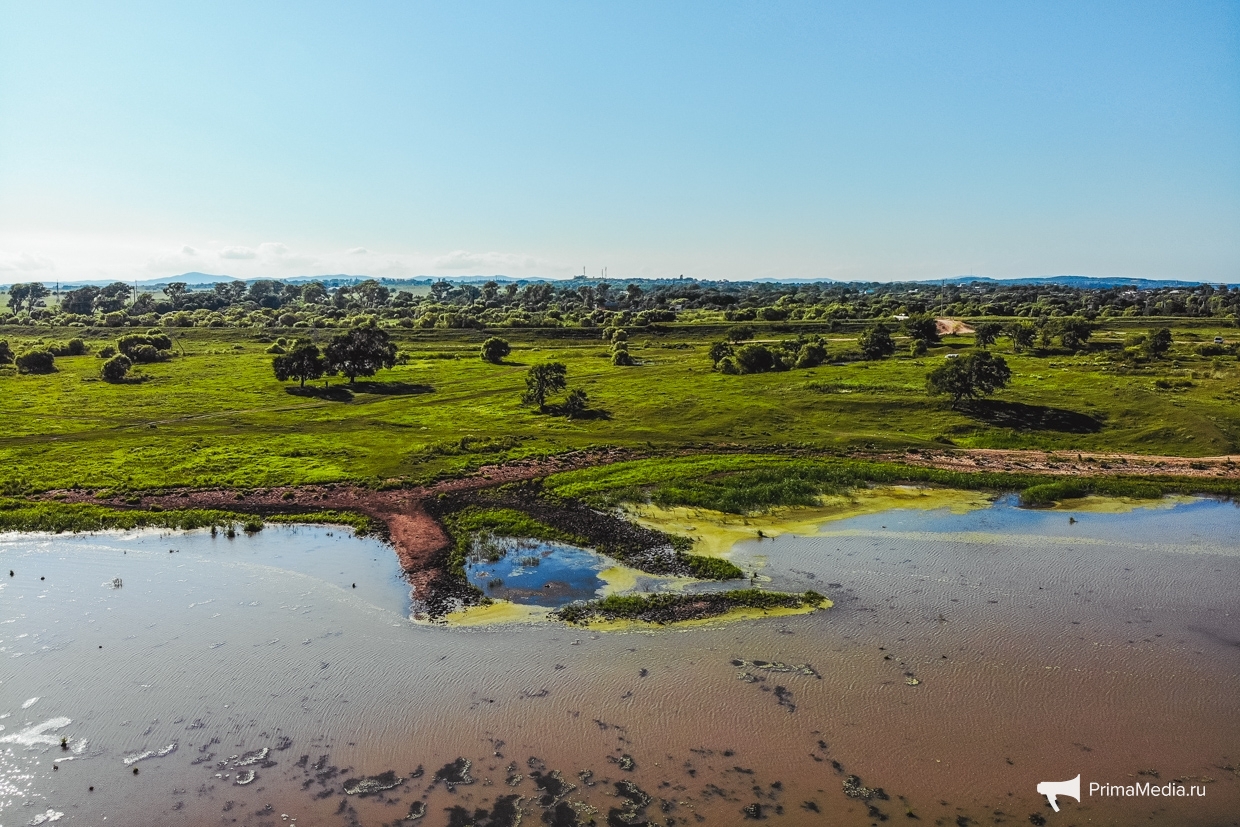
{"x": 970, "y": 654}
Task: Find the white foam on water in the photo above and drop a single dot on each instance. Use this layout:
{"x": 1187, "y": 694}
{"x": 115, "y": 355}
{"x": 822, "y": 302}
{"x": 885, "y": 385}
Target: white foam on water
{"x": 150, "y": 753}
{"x": 44, "y": 818}
{"x": 37, "y": 734}
{"x": 30, "y": 702}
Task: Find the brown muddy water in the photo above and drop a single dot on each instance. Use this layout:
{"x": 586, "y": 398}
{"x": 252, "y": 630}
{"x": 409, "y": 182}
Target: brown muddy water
{"x": 263, "y": 679}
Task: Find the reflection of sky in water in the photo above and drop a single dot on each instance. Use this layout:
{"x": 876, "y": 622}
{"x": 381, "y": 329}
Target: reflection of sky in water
{"x": 562, "y": 573}
{"x": 1186, "y": 523}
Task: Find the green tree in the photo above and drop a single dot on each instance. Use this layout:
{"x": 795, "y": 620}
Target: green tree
{"x": 575, "y": 403}
{"x": 543, "y": 380}
{"x": 362, "y": 351}
{"x": 80, "y": 301}
{"x": 27, "y": 296}
{"x": 719, "y": 350}
{"x": 877, "y": 342}
{"x": 303, "y": 361}
{"x": 1157, "y": 343}
{"x": 621, "y": 358}
{"x": 978, "y": 374}
{"x": 923, "y": 327}
{"x": 114, "y": 369}
{"x": 755, "y": 359}
{"x": 986, "y": 334}
{"x": 6, "y": 353}
{"x": 1074, "y": 332}
{"x": 495, "y": 349}
{"x": 740, "y": 333}
{"x": 811, "y": 355}
{"x": 112, "y": 299}
{"x": 1022, "y": 335}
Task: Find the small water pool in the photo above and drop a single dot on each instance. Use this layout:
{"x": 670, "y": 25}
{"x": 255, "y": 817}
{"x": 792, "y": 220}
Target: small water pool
{"x": 535, "y": 572}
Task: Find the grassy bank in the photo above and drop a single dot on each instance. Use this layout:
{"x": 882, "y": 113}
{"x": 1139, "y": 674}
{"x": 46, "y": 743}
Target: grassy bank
{"x": 740, "y": 484}
{"x": 57, "y": 517}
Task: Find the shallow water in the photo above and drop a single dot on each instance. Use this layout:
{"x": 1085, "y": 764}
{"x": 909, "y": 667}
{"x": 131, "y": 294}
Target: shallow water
{"x": 1041, "y": 648}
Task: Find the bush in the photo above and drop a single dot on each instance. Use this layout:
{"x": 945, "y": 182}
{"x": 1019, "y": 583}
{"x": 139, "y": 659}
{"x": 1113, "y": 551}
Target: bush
{"x": 495, "y": 349}
{"x": 6, "y": 353}
{"x": 276, "y": 349}
{"x": 1050, "y": 493}
{"x": 73, "y": 347}
{"x": 106, "y": 352}
{"x": 712, "y": 568}
{"x": 811, "y": 355}
{"x": 115, "y": 369}
{"x": 144, "y": 349}
{"x": 37, "y": 361}
{"x": 144, "y": 354}
{"x": 621, "y": 358}
{"x": 727, "y": 365}
{"x": 755, "y": 359}
{"x": 740, "y": 332}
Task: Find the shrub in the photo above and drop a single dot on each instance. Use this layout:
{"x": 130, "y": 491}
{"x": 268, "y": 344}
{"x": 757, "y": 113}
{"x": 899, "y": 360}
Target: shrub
{"x": 621, "y": 358}
{"x": 495, "y": 349}
{"x": 6, "y": 353}
{"x": 811, "y": 355}
{"x": 276, "y": 349}
{"x": 37, "y": 361}
{"x": 755, "y": 359}
{"x": 106, "y": 352}
{"x": 727, "y": 365}
{"x": 144, "y": 354}
{"x": 114, "y": 369}
{"x": 1050, "y": 493}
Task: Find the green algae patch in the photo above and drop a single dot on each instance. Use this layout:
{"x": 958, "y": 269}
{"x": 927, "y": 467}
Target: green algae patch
{"x": 664, "y": 608}
{"x": 497, "y": 613}
{"x": 1120, "y": 505}
{"x": 715, "y": 533}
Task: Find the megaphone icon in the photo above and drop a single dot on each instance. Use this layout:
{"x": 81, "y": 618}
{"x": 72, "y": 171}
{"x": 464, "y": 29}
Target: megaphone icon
{"x": 1050, "y": 789}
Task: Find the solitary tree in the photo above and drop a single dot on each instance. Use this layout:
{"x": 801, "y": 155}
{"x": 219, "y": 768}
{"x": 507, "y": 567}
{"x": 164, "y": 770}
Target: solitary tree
{"x": 542, "y": 381}
{"x": 986, "y": 334}
{"x": 923, "y": 327}
{"x": 978, "y": 374}
{"x": 1074, "y": 332}
{"x": 1157, "y": 342}
{"x": 303, "y": 361}
{"x": 877, "y": 342}
{"x": 495, "y": 349}
{"x": 361, "y": 351}
{"x": 576, "y": 403}
{"x": 1022, "y": 335}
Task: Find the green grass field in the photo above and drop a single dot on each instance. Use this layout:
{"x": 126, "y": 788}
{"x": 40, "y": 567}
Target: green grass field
{"x": 217, "y": 416}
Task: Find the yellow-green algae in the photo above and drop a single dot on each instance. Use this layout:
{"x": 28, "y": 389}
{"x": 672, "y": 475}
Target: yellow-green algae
{"x": 1094, "y": 504}
{"x": 497, "y": 613}
{"x": 716, "y": 533}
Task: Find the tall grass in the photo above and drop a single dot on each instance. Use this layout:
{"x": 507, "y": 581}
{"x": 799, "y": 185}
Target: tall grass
{"x": 57, "y": 517}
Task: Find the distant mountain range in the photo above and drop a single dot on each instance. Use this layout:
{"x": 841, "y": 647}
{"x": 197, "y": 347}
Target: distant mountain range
{"x": 200, "y": 280}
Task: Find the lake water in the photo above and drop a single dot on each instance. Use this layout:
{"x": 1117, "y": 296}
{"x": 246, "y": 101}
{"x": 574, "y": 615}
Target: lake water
{"x": 970, "y": 656}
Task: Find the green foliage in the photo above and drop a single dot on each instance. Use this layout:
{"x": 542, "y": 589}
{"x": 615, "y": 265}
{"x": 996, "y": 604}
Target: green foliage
{"x": 302, "y": 362}
{"x": 922, "y": 327}
{"x": 576, "y": 403}
{"x": 543, "y": 380}
{"x": 1049, "y": 493}
{"x": 472, "y": 521}
{"x": 757, "y": 358}
{"x": 740, "y": 333}
{"x": 115, "y": 369}
{"x": 39, "y": 360}
{"x": 621, "y": 358}
{"x": 876, "y": 342}
{"x": 362, "y": 351}
{"x": 1022, "y": 335}
{"x": 1157, "y": 343}
{"x": 712, "y": 568}
{"x": 495, "y": 349}
{"x": 6, "y": 353}
{"x": 986, "y": 334}
{"x": 968, "y": 377}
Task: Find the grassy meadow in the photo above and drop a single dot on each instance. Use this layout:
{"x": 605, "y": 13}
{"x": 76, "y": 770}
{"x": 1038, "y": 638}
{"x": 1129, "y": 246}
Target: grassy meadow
{"x": 215, "y": 414}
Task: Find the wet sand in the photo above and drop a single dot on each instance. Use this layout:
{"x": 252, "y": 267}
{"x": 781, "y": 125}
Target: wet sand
{"x": 1040, "y": 649}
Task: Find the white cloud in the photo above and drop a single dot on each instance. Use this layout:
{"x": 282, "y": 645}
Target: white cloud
{"x": 238, "y": 253}
{"x": 25, "y": 263}
{"x": 188, "y": 251}
{"x": 358, "y": 251}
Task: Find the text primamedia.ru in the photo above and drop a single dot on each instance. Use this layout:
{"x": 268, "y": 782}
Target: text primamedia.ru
{"x": 1172, "y": 789}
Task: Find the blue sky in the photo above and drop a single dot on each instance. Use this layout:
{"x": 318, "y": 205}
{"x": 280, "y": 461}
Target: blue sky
{"x": 717, "y": 140}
